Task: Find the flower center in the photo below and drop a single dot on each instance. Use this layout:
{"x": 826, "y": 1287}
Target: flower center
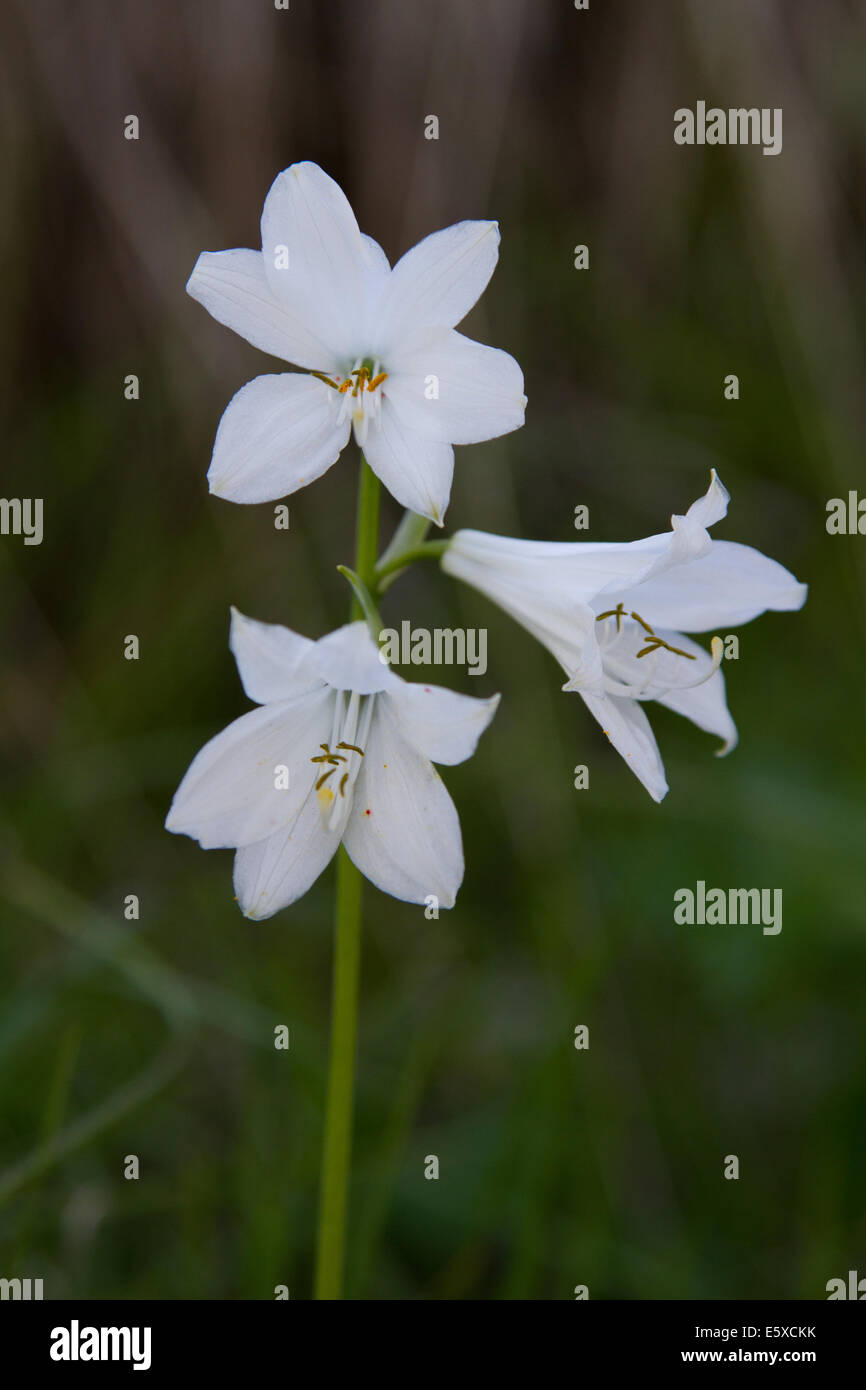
{"x": 360, "y": 395}
{"x": 340, "y": 758}
{"x": 663, "y": 671}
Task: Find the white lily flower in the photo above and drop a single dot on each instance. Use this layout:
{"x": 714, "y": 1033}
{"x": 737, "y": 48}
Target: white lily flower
{"x": 378, "y": 345}
{"x": 341, "y": 749}
{"x": 614, "y": 617}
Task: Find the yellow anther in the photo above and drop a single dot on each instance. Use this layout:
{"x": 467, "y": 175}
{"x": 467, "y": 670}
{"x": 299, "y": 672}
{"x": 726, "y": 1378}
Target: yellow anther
{"x": 328, "y": 756}
{"x": 357, "y": 381}
{"x": 326, "y": 379}
{"x": 654, "y": 641}
{"x": 646, "y": 627}
{"x": 618, "y": 613}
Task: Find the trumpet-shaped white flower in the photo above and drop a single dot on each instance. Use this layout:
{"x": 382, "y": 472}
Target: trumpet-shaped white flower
{"x": 614, "y": 617}
{"x": 378, "y": 345}
{"x": 341, "y": 749}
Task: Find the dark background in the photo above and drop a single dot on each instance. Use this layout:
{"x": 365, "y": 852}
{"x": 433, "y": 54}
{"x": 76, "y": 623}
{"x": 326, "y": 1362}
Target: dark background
{"x": 155, "y": 1038}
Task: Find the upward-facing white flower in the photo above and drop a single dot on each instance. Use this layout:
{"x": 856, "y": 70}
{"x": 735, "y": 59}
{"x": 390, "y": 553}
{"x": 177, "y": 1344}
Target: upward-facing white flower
{"x": 378, "y": 346}
{"x": 614, "y": 617}
{"x": 341, "y": 749}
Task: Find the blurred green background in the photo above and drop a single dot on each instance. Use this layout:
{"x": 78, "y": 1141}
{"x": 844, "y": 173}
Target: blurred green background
{"x": 155, "y": 1037}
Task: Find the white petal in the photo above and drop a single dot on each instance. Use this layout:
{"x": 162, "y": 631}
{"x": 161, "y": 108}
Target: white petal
{"x": 444, "y": 725}
{"x": 705, "y": 705}
{"x": 416, "y": 471}
{"x": 229, "y": 797}
{"x": 584, "y": 572}
{"x": 713, "y": 505}
{"x": 348, "y": 659}
{"x": 731, "y": 584}
{"x": 403, "y": 830}
{"x": 378, "y": 265}
{"x": 333, "y": 271}
{"x": 572, "y": 571}
{"x": 629, "y": 731}
{"x": 267, "y": 656}
{"x": 541, "y": 595}
{"x": 234, "y": 289}
{"x": 276, "y": 872}
{"x": 278, "y": 434}
{"x": 437, "y": 282}
{"x": 480, "y": 389}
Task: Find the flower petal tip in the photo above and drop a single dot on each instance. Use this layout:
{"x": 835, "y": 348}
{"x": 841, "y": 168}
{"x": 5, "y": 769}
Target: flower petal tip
{"x": 252, "y": 916}
{"x": 192, "y": 283}
{"x": 727, "y": 747}
{"x": 237, "y": 622}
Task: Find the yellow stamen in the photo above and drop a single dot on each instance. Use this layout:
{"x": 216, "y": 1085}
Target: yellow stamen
{"x": 646, "y": 627}
{"x": 359, "y": 380}
{"x": 326, "y": 379}
{"x": 618, "y": 613}
{"x": 656, "y": 642}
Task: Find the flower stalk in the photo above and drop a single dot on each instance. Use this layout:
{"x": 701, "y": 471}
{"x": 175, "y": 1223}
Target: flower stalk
{"x": 337, "y": 1143}
{"x": 337, "y": 1148}
{"x": 387, "y": 569}
{"x": 365, "y": 599}
{"x": 366, "y": 532}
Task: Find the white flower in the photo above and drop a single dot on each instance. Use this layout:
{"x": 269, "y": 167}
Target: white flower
{"x": 340, "y": 749}
{"x": 379, "y": 347}
{"x": 614, "y": 617}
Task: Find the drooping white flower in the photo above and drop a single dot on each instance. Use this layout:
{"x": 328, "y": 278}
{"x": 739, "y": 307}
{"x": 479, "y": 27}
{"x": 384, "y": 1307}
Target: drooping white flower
{"x": 614, "y": 617}
{"x": 378, "y": 347}
{"x": 341, "y": 749}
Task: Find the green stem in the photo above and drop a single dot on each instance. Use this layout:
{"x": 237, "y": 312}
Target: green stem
{"x": 428, "y": 550}
{"x": 365, "y": 598}
{"x": 411, "y": 531}
{"x": 337, "y": 1148}
{"x": 366, "y": 529}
